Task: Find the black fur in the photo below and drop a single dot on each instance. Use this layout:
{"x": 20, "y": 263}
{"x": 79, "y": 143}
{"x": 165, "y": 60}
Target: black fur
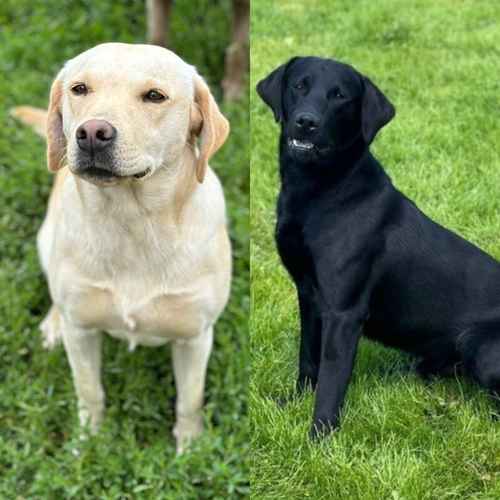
{"x": 364, "y": 258}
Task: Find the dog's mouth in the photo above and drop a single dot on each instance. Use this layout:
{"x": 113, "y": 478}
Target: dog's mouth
{"x": 142, "y": 174}
{"x": 104, "y": 175}
{"x": 304, "y": 149}
{"x": 98, "y": 173}
{"x": 302, "y": 146}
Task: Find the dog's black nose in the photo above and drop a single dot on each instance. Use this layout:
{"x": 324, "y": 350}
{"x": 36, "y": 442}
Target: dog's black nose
{"x": 307, "y": 122}
{"x": 95, "y": 135}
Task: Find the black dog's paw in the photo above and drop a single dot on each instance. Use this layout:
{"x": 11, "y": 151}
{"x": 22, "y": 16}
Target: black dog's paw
{"x": 321, "y": 428}
{"x": 302, "y": 387}
{"x": 306, "y": 383}
{"x": 283, "y": 400}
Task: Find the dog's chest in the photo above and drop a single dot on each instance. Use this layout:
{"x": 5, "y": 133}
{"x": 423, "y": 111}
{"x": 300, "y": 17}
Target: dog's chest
{"x": 290, "y": 239}
{"x": 144, "y": 290}
{"x": 151, "y": 317}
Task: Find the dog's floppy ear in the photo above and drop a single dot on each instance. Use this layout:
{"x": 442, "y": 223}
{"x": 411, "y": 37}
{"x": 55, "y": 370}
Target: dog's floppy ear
{"x": 56, "y": 142}
{"x": 270, "y": 89}
{"x": 376, "y": 110}
{"x": 208, "y": 123}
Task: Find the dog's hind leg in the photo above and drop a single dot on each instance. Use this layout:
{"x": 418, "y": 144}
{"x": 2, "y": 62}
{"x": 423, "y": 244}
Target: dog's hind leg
{"x": 481, "y": 353}
{"x": 51, "y": 328}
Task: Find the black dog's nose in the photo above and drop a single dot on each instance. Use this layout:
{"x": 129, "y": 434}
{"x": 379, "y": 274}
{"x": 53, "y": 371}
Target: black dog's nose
{"x": 307, "y": 122}
{"x": 95, "y": 135}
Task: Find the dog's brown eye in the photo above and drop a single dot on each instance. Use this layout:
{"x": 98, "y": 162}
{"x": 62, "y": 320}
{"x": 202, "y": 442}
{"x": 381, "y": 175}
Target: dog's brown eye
{"x": 80, "y": 89}
{"x": 154, "y": 96}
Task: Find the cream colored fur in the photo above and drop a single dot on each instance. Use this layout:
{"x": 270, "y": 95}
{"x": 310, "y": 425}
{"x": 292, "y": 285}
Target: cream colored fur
{"x": 145, "y": 260}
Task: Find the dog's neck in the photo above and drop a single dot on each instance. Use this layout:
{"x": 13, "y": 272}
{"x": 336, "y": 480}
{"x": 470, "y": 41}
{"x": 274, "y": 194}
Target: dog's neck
{"x": 339, "y": 181}
{"x": 165, "y": 193}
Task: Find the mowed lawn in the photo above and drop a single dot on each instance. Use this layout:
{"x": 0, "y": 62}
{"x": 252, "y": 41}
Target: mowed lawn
{"x": 41, "y": 456}
{"x": 439, "y": 63}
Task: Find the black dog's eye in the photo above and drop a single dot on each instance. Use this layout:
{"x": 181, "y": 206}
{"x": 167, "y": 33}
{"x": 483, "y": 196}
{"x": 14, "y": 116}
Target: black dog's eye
{"x": 154, "y": 96}
{"x": 299, "y": 86}
{"x": 335, "y": 93}
{"x": 80, "y": 89}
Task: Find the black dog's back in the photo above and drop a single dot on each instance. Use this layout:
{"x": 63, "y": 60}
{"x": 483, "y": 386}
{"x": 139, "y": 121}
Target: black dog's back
{"x": 433, "y": 285}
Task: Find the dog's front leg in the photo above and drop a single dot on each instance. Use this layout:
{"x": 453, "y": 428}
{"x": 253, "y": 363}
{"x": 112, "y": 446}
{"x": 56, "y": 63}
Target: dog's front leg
{"x": 340, "y": 337}
{"x": 83, "y": 348}
{"x": 310, "y": 338}
{"x": 190, "y": 358}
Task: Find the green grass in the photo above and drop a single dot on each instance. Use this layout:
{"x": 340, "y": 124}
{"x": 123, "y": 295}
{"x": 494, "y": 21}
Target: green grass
{"x": 134, "y": 454}
{"x": 438, "y": 61}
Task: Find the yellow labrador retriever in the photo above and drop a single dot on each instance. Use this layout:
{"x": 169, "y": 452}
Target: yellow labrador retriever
{"x": 134, "y": 242}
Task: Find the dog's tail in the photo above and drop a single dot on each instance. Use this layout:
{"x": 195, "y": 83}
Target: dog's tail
{"x": 36, "y": 118}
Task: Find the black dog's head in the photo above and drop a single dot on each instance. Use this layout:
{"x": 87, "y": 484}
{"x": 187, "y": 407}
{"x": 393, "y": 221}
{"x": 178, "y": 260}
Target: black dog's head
{"x": 324, "y": 107}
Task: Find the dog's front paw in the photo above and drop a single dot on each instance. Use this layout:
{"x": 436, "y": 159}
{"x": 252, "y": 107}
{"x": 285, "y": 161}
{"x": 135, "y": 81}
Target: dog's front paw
{"x": 321, "y": 427}
{"x": 186, "y": 430}
{"x": 305, "y": 383}
{"x": 90, "y": 416}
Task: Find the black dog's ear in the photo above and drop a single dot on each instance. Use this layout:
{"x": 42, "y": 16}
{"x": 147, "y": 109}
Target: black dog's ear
{"x": 376, "y": 110}
{"x": 270, "y": 89}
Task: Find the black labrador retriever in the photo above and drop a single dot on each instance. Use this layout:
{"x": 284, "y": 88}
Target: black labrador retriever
{"x": 364, "y": 258}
